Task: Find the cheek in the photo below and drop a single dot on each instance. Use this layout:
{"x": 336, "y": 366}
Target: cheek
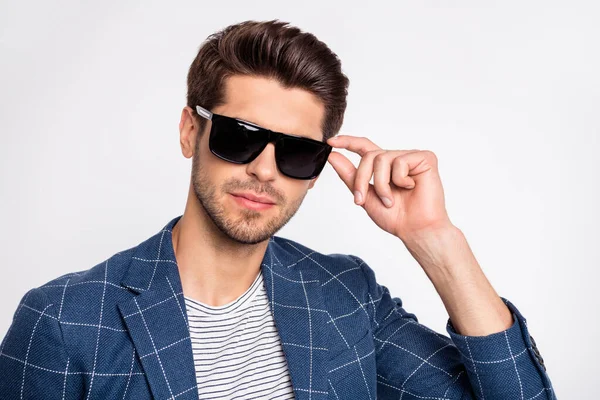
{"x": 218, "y": 169}
{"x": 295, "y": 191}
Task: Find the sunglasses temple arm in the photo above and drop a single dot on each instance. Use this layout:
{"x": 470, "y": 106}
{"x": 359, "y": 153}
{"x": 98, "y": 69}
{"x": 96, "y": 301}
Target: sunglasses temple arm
{"x": 204, "y": 112}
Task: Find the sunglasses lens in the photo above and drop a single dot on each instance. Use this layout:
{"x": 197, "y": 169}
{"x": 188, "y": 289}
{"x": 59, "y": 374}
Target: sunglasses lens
{"x": 301, "y": 159}
{"x": 235, "y": 140}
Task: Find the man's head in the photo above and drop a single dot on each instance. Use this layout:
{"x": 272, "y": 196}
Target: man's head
{"x": 277, "y": 77}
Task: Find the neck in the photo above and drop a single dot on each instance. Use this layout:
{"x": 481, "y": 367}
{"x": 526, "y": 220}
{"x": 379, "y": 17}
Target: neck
{"x": 214, "y": 269}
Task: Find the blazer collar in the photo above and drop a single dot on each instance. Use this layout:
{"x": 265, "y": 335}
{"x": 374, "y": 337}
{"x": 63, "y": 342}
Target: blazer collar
{"x": 157, "y": 321}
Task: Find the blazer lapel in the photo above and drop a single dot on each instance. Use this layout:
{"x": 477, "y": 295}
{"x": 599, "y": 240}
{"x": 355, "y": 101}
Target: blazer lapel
{"x": 157, "y": 320}
{"x": 296, "y": 300}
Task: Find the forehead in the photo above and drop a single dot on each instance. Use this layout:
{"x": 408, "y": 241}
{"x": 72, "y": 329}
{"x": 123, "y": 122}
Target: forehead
{"x": 265, "y": 102}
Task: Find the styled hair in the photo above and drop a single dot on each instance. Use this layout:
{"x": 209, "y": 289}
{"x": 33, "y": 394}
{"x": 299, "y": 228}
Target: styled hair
{"x": 271, "y": 49}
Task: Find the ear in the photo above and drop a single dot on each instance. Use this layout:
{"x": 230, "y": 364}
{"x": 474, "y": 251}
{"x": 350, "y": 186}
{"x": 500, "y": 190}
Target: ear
{"x": 312, "y": 182}
{"x": 188, "y": 132}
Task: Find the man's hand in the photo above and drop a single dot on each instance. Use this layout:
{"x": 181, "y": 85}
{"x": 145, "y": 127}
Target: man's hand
{"x": 407, "y": 197}
{"x": 416, "y": 213}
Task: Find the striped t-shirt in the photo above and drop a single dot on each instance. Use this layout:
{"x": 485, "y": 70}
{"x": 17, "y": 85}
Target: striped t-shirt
{"x": 237, "y": 350}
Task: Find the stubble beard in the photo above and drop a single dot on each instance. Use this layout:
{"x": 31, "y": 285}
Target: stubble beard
{"x": 251, "y": 226}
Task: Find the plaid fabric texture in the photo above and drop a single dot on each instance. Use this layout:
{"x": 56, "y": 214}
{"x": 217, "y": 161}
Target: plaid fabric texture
{"x": 120, "y": 331}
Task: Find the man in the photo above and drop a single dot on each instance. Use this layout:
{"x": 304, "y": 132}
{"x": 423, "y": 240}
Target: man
{"x": 215, "y": 306}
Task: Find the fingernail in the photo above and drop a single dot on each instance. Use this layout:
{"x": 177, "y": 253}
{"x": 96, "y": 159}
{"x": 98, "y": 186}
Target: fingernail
{"x": 386, "y": 201}
{"x": 357, "y": 197}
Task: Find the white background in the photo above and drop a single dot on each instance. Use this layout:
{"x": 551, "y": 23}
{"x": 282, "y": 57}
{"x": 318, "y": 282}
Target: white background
{"x": 507, "y": 94}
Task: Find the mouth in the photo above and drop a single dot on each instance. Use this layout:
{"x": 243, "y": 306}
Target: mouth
{"x": 251, "y": 204}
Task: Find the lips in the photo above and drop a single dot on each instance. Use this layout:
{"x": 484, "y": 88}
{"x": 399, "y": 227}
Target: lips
{"x": 256, "y": 198}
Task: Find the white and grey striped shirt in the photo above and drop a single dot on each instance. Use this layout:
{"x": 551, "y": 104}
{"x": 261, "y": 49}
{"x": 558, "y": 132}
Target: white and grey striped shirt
{"x": 237, "y": 350}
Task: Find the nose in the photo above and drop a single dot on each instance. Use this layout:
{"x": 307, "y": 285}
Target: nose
{"x": 264, "y": 166}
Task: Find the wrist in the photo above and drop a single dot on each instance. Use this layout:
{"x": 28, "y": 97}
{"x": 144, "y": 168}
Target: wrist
{"x": 441, "y": 248}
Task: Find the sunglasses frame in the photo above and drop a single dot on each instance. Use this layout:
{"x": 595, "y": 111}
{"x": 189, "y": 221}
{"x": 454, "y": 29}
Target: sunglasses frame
{"x": 273, "y": 136}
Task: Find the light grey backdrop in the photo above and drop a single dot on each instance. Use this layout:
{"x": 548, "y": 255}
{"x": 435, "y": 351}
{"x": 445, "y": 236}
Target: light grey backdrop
{"x": 505, "y": 93}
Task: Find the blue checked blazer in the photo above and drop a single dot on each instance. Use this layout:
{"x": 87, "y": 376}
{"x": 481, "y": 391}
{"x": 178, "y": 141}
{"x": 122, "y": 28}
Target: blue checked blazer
{"x": 120, "y": 331}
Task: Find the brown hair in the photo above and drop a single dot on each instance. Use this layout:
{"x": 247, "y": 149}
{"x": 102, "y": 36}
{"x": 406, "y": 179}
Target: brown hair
{"x": 272, "y": 49}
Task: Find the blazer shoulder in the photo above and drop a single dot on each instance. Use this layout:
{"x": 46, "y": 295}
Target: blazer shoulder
{"x": 111, "y": 270}
{"x": 327, "y": 264}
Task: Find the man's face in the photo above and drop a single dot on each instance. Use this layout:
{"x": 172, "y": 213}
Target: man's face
{"x": 267, "y": 104}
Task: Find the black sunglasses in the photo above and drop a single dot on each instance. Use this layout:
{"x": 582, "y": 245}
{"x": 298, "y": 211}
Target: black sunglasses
{"x": 240, "y": 142}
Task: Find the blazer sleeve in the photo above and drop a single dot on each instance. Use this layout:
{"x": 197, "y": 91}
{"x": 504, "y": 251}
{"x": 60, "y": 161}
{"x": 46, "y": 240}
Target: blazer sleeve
{"x": 417, "y": 362}
{"x": 33, "y": 360}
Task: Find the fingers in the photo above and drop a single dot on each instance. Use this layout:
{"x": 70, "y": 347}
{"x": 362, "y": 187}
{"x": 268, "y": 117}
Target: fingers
{"x": 381, "y": 178}
{"x": 384, "y": 166}
{"x": 387, "y": 167}
{"x": 344, "y": 168}
{"x": 363, "y": 176}
{"x": 400, "y": 173}
{"x": 355, "y": 144}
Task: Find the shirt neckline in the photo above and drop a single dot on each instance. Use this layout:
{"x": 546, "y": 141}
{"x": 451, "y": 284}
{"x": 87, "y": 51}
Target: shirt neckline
{"x": 233, "y": 305}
